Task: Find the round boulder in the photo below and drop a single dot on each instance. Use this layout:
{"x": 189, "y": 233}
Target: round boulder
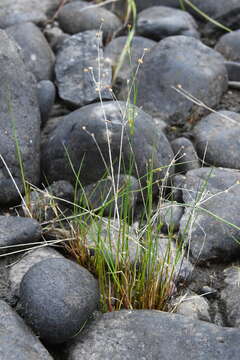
{"x": 57, "y": 296}
{"x": 175, "y": 63}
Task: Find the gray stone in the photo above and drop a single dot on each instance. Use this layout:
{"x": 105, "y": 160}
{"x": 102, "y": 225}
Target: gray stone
{"x": 21, "y": 267}
{"x": 16, "y": 340}
{"x": 233, "y": 69}
{"x": 229, "y": 45}
{"x": 80, "y": 16}
{"x": 57, "y": 297}
{"x": 185, "y": 155}
{"x": 143, "y": 4}
{"x": 230, "y": 295}
{"x": 19, "y": 11}
{"x": 16, "y": 230}
{"x": 46, "y": 93}
{"x": 144, "y": 334}
{"x": 217, "y": 139}
{"x": 170, "y": 214}
{"x": 158, "y": 22}
{"x": 124, "y": 79}
{"x": 55, "y": 36}
{"x": 101, "y": 195}
{"x": 180, "y": 61}
{"x": 78, "y": 63}
{"x": 20, "y": 122}
{"x": 128, "y": 130}
{"x": 193, "y": 306}
{"x": 48, "y": 204}
{"x": 38, "y": 55}
{"x": 210, "y": 225}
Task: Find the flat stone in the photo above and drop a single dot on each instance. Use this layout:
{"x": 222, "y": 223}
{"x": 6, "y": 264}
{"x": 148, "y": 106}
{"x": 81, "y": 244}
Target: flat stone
{"x": 174, "y": 63}
{"x": 158, "y": 22}
{"x": 17, "y": 342}
{"x": 57, "y": 297}
{"x": 145, "y": 334}
{"x": 20, "y": 122}
{"x": 77, "y": 70}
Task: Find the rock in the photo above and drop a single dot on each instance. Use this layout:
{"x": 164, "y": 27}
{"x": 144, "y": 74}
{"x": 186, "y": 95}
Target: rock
{"x": 80, "y": 16}
{"x": 16, "y": 230}
{"x": 140, "y": 47}
{"x": 55, "y": 36}
{"x": 4, "y": 279}
{"x": 20, "y": 123}
{"x": 117, "y": 7}
{"x": 46, "y": 205}
{"x": 230, "y": 295}
{"x": 111, "y": 237}
{"x": 210, "y": 224}
{"x": 57, "y": 297}
{"x": 142, "y": 4}
{"x": 21, "y": 267}
{"x": 46, "y": 93}
{"x": 158, "y": 22}
{"x": 170, "y": 214}
{"x": 185, "y": 154}
{"x": 20, "y": 11}
{"x": 177, "y": 183}
{"x": 173, "y": 63}
{"x": 219, "y": 131}
{"x": 233, "y": 69}
{"x": 193, "y": 306}
{"x": 38, "y": 55}
{"x": 99, "y": 194}
{"x": 129, "y": 131}
{"x": 77, "y": 70}
{"x": 229, "y": 45}
{"x": 144, "y": 334}
{"x": 16, "y": 340}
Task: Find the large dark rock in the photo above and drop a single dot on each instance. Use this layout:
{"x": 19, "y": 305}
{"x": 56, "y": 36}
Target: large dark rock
{"x": 38, "y": 55}
{"x": 78, "y": 63}
{"x": 19, "y": 11}
{"x": 158, "y": 22}
{"x": 211, "y": 224}
{"x": 57, "y": 296}
{"x": 83, "y": 139}
{"x": 16, "y": 340}
{"x": 229, "y": 46}
{"x": 20, "y": 122}
{"x": 218, "y": 10}
{"x": 217, "y": 139}
{"x": 125, "y": 78}
{"x": 80, "y": 16}
{"x": 16, "y": 230}
{"x": 180, "y": 61}
{"x": 154, "y": 335}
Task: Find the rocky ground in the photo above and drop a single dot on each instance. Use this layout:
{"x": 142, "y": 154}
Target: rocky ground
{"x": 62, "y": 103}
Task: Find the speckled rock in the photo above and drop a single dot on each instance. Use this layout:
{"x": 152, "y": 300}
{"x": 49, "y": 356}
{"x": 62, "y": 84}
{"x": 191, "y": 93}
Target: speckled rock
{"x": 158, "y": 22}
{"x": 17, "y": 342}
{"x": 57, "y": 296}
{"x": 77, "y": 70}
{"x": 193, "y": 306}
{"x": 180, "y": 61}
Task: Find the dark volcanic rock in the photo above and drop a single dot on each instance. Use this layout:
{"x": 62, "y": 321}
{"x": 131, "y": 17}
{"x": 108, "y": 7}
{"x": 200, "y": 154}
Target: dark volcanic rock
{"x": 20, "y": 11}
{"x": 16, "y": 230}
{"x": 46, "y": 93}
{"x": 185, "y": 154}
{"x": 180, "y": 61}
{"x": 38, "y": 55}
{"x": 77, "y": 70}
{"x": 158, "y": 22}
{"x": 84, "y": 137}
{"x": 140, "y": 47}
{"x": 16, "y": 340}
{"x": 217, "y": 139}
{"x": 144, "y": 334}
{"x": 20, "y": 121}
{"x": 80, "y": 16}
{"x": 57, "y": 296}
{"x": 210, "y": 224}
{"x": 229, "y": 45}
